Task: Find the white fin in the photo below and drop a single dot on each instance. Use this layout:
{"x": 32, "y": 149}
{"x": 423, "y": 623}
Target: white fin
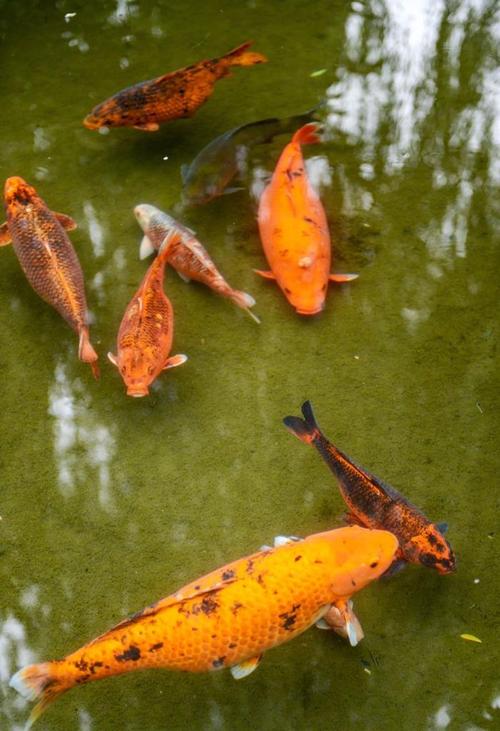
{"x": 283, "y": 540}
{"x": 264, "y": 547}
{"x": 112, "y": 358}
{"x": 352, "y": 633}
{"x": 146, "y": 248}
{"x": 183, "y": 276}
{"x": 18, "y": 683}
{"x": 245, "y": 668}
{"x": 175, "y": 360}
{"x": 322, "y": 624}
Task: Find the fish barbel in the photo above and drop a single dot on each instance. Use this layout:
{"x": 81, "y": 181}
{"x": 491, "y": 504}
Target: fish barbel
{"x": 228, "y": 618}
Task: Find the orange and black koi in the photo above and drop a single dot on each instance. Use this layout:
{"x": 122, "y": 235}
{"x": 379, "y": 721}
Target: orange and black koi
{"x": 172, "y": 96}
{"x": 375, "y": 504}
{"x": 47, "y": 258}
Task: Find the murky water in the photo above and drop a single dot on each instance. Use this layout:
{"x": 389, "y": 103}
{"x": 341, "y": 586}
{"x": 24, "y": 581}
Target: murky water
{"x": 109, "y": 503}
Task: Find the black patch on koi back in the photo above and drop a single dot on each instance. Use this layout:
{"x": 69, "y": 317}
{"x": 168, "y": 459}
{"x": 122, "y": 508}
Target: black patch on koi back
{"x": 236, "y": 606}
{"x": 22, "y": 197}
{"x": 226, "y": 575}
{"x": 219, "y": 662}
{"x": 249, "y": 566}
{"x": 207, "y": 606}
{"x": 156, "y": 646}
{"x": 132, "y": 653}
{"x": 374, "y": 564}
{"x": 428, "y": 559}
{"x": 133, "y": 98}
{"x": 232, "y": 645}
{"x": 297, "y": 558}
{"x": 289, "y": 618}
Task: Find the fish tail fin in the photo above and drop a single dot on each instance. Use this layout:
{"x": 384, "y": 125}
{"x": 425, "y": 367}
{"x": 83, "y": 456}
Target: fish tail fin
{"x": 241, "y": 56}
{"x": 307, "y": 135}
{"x": 243, "y": 300}
{"x": 307, "y": 429}
{"x": 86, "y": 352}
{"x": 37, "y": 683}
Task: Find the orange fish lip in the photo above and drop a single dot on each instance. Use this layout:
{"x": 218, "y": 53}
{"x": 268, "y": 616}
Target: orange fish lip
{"x": 91, "y": 123}
{"x": 137, "y": 393}
{"x": 309, "y": 312}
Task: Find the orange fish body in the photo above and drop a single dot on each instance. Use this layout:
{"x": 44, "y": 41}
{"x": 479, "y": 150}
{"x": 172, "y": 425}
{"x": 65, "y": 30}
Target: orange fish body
{"x": 294, "y": 230}
{"x": 187, "y": 256}
{"x": 172, "y": 96}
{"x": 147, "y": 330}
{"x": 375, "y": 504}
{"x": 48, "y": 258}
{"x": 227, "y": 618}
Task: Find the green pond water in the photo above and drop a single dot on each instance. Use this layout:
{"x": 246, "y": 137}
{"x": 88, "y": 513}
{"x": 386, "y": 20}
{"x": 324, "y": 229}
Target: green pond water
{"x": 109, "y": 503}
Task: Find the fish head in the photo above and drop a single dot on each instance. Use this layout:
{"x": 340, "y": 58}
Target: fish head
{"x": 430, "y": 548}
{"x": 137, "y": 371}
{"x": 360, "y": 556}
{"x": 308, "y": 299}
{"x": 106, "y": 114}
{"x": 145, "y": 214}
{"x": 18, "y": 194}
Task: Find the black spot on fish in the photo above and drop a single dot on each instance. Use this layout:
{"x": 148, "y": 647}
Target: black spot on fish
{"x": 219, "y": 662}
{"x": 428, "y": 559}
{"x": 197, "y": 587}
{"x": 353, "y": 582}
{"x": 432, "y": 539}
{"x": 132, "y": 653}
{"x": 236, "y": 607}
{"x": 288, "y": 620}
{"x": 207, "y": 606}
{"x": 249, "y": 566}
{"x": 317, "y": 560}
{"x": 194, "y": 629}
{"x": 297, "y": 558}
{"x": 288, "y": 291}
{"x": 260, "y": 579}
{"x": 181, "y": 90}
{"x": 95, "y": 665}
{"x": 156, "y": 646}
{"x": 232, "y": 645}
{"x": 226, "y": 575}
{"x": 81, "y": 665}
{"x": 309, "y": 220}
{"x": 374, "y": 565}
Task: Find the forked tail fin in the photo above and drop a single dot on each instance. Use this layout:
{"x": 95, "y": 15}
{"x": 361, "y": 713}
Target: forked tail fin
{"x": 307, "y": 429}
{"x": 240, "y": 56}
{"x": 86, "y": 352}
{"x": 307, "y": 135}
{"x": 37, "y": 683}
{"x": 245, "y": 301}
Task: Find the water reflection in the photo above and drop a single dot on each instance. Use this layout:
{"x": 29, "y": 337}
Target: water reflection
{"x": 14, "y": 652}
{"x": 81, "y": 443}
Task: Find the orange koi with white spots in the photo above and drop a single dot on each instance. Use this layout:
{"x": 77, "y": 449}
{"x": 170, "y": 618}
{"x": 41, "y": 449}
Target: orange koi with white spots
{"x": 147, "y": 329}
{"x": 47, "y": 258}
{"x": 228, "y": 618}
{"x": 294, "y": 230}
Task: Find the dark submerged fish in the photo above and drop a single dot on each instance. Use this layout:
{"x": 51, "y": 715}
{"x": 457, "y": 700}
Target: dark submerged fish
{"x": 215, "y": 166}
{"x": 172, "y": 96}
{"x": 375, "y": 504}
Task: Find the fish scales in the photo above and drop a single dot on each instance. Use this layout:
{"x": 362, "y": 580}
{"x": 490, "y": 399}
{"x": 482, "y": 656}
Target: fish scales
{"x": 228, "y": 617}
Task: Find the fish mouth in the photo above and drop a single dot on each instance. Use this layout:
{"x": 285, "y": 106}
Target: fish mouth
{"x": 137, "y": 394}
{"x": 91, "y": 122}
{"x": 316, "y": 311}
{"x": 17, "y": 190}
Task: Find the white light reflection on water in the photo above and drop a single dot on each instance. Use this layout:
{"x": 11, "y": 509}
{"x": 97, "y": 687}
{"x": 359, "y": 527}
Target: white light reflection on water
{"x": 14, "y": 653}
{"x": 83, "y": 446}
{"x": 125, "y": 10}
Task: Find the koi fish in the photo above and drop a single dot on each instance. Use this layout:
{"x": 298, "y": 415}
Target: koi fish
{"x": 294, "y": 230}
{"x": 172, "y": 96}
{"x": 187, "y": 256}
{"x": 228, "y": 618}
{"x": 48, "y": 259}
{"x": 375, "y": 504}
{"x": 147, "y": 329}
{"x": 214, "y": 167}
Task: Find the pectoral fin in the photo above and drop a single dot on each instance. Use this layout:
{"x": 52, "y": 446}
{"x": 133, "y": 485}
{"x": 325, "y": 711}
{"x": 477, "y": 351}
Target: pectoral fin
{"x": 442, "y": 528}
{"x": 266, "y": 275}
{"x": 339, "y": 278}
{"x": 113, "y": 359}
{"x": 245, "y": 668}
{"x": 66, "y": 222}
{"x": 4, "y": 235}
{"x": 183, "y": 276}
{"x": 148, "y": 127}
{"x": 175, "y": 360}
{"x": 342, "y": 620}
{"x": 235, "y": 189}
{"x": 283, "y": 540}
{"x": 146, "y": 248}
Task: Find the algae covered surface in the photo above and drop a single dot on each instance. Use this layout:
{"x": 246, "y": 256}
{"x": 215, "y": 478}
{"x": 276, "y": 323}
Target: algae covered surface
{"x": 109, "y": 503}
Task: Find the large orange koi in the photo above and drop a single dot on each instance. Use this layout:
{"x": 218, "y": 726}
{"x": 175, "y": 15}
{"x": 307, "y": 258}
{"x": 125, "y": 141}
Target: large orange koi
{"x": 375, "y": 504}
{"x": 147, "y": 330}
{"x": 294, "y": 230}
{"x": 188, "y": 256}
{"x": 228, "y": 618}
{"x": 47, "y": 258}
{"x": 172, "y": 96}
